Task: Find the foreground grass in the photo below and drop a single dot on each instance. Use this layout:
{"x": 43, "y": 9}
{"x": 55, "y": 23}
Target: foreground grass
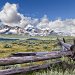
{"x": 56, "y": 69}
{"x": 48, "y": 72}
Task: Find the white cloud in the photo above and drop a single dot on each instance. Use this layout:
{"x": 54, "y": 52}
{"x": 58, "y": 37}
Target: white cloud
{"x": 56, "y": 25}
{"x": 44, "y": 23}
{"x": 25, "y": 21}
{"x": 9, "y": 14}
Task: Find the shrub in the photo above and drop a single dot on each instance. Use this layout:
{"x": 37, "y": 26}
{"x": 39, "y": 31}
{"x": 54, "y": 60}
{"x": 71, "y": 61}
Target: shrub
{"x": 7, "y": 46}
{"x": 45, "y": 47}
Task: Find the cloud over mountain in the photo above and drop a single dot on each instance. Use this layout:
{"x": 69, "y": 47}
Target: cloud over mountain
{"x": 9, "y": 15}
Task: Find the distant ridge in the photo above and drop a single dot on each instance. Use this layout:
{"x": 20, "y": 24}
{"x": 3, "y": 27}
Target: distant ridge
{"x": 7, "y": 39}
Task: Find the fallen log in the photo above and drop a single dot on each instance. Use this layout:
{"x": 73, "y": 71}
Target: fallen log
{"x": 28, "y": 69}
{"x": 28, "y": 59}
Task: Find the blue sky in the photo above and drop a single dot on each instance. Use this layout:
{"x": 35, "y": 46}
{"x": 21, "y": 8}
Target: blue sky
{"x": 52, "y": 8}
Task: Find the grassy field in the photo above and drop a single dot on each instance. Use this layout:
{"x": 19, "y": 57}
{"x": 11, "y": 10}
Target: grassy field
{"x": 47, "y": 43}
{"x": 24, "y": 44}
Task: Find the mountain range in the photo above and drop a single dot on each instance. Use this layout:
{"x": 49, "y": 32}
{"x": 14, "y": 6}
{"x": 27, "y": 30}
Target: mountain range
{"x": 30, "y": 30}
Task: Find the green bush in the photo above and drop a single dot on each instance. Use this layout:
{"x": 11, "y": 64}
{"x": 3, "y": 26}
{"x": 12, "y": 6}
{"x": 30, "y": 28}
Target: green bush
{"x": 7, "y": 46}
{"x": 45, "y": 47}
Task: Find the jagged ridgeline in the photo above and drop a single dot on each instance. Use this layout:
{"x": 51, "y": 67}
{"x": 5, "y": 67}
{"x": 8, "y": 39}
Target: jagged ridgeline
{"x": 31, "y": 31}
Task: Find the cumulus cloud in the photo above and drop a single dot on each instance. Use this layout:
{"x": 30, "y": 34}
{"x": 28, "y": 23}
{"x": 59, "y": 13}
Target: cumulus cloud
{"x": 9, "y": 14}
{"x": 58, "y": 25}
{"x": 25, "y": 21}
{"x": 44, "y": 23}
